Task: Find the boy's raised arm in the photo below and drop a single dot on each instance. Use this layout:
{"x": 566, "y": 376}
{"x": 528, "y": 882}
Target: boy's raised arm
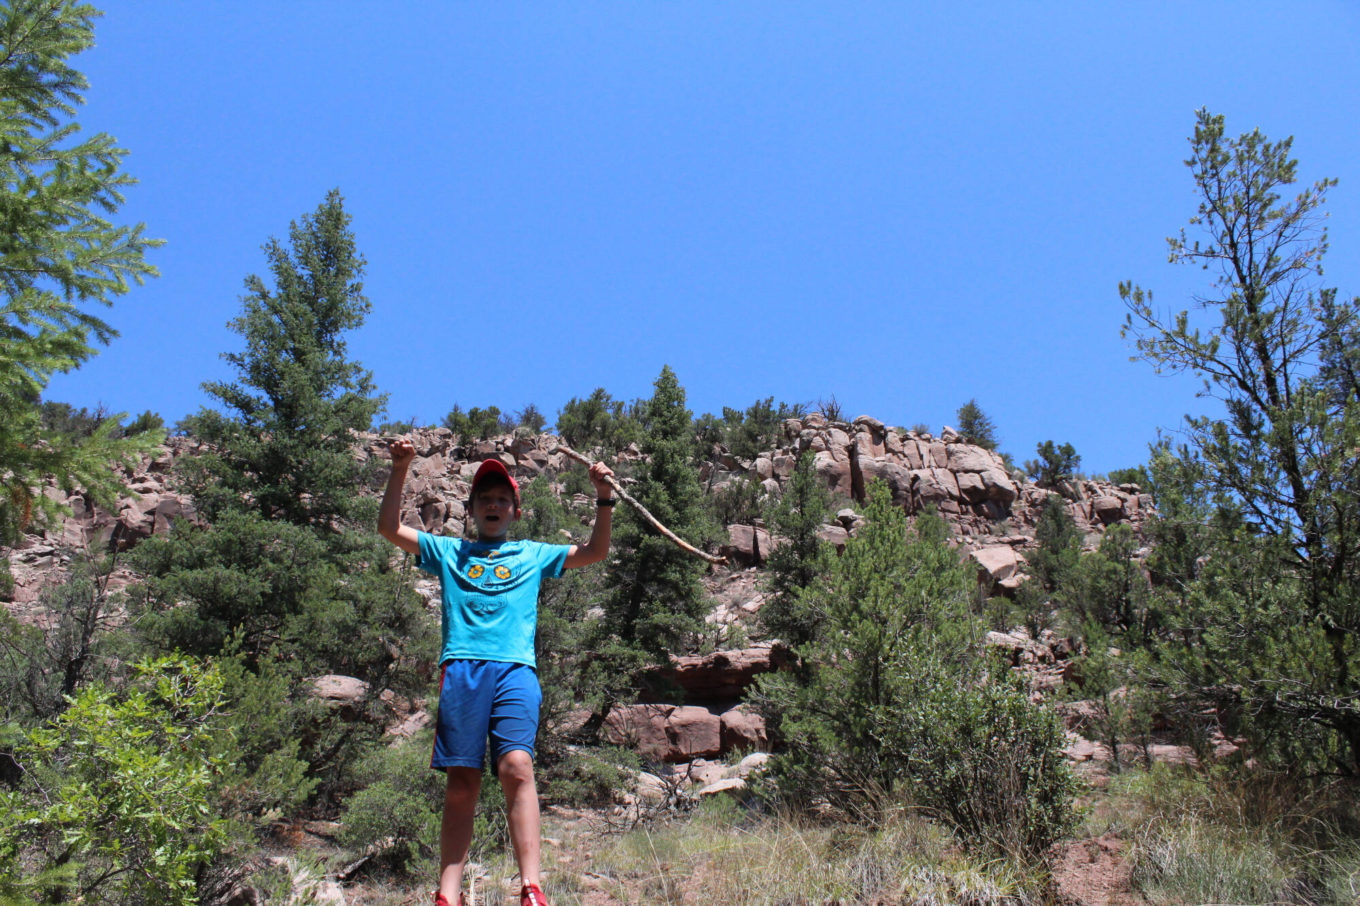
{"x": 389, "y": 514}
{"x": 597, "y": 548}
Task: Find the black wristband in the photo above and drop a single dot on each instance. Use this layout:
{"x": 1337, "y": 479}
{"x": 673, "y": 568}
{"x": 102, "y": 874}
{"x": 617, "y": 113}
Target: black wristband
{"x": 605, "y": 501}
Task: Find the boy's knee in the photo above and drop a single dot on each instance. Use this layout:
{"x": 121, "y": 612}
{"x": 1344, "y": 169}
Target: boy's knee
{"x": 462, "y": 784}
{"x": 515, "y": 766}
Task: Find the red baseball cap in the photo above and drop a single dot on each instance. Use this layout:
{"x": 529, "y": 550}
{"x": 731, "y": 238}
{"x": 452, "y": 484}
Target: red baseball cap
{"x": 494, "y": 466}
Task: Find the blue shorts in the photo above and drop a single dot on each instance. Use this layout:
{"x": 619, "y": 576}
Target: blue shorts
{"x": 481, "y": 700}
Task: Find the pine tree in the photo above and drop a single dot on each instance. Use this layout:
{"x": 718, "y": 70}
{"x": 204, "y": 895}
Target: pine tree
{"x": 801, "y": 558}
{"x": 286, "y": 440}
{"x": 898, "y": 703}
{"x": 1278, "y": 470}
{"x": 59, "y": 257}
{"x": 289, "y": 578}
{"x": 656, "y": 600}
{"x": 976, "y": 426}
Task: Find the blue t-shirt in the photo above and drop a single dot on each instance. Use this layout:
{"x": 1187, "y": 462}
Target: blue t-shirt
{"x": 490, "y": 594}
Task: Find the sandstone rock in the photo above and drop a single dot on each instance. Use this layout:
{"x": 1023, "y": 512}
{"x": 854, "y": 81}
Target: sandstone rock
{"x": 341, "y": 690}
{"x": 869, "y": 445}
{"x": 935, "y": 486}
{"x": 743, "y": 730}
{"x": 897, "y": 476}
{"x": 410, "y": 726}
{"x": 693, "y": 732}
{"x": 640, "y": 727}
{"x": 968, "y": 458}
{"x": 1080, "y": 749}
{"x": 666, "y": 732}
{"x": 651, "y": 788}
{"x": 752, "y": 764}
{"x": 996, "y": 563}
{"x": 731, "y": 786}
{"x": 1079, "y": 715}
{"x": 999, "y": 486}
{"x": 835, "y": 536}
{"x": 1169, "y": 754}
{"x": 746, "y": 544}
{"x": 1022, "y": 649}
{"x": 971, "y": 487}
{"x": 702, "y": 771}
{"x": 1108, "y": 509}
{"x": 868, "y": 421}
{"x": 723, "y": 675}
{"x": 835, "y": 472}
{"x": 345, "y": 694}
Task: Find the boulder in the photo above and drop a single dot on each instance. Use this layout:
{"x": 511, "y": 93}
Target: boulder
{"x": 743, "y": 730}
{"x": 999, "y": 486}
{"x": 1108, "y": 509}
{"x": 722, "y": 675}
{"x": 897, "y": 476}
{"x": 667, "y": 733}
{"x": 732, "y": 786}
{"x": 935, "y": 486}
{"x": 996, "y": 563}
{"x": 968, "y": 458}
{"x": 746, "y": 544}
{"x": 345, "y": 694}
{"x": 835, "y": 472}
{"x": 834, "y": 535}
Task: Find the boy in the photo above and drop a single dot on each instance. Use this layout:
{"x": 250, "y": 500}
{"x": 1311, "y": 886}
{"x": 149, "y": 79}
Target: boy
{"x": 488, "y": 685}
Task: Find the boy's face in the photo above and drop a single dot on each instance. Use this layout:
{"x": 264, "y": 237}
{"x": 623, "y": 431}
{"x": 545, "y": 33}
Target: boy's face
{"x": 493, "y": 510}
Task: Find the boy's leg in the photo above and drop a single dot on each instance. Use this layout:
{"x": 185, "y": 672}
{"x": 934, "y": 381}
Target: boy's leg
{"x": 455, "y": 829}
{"x": 516, "y": 771}
{"x": 466, "y": 693}
{"x": 514, "y": 726}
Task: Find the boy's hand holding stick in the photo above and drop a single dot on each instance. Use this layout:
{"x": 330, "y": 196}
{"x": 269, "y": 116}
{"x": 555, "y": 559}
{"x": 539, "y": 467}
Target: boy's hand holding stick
{"x": 642, "y": 510}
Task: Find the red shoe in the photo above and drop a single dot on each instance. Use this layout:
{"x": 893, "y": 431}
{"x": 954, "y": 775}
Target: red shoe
{"x": 532, "y": 895}
{"x": 441, "y": 900}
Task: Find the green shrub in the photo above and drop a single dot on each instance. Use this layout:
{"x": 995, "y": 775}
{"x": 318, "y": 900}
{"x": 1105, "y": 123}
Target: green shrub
{"x": 988, "y": 760}
{"x": 115, "y": 800}
{"x": 399, "y": 807}
{"x": 587, "y": 776}
{"x": 896, "y": 703}
{"x": 737, "y": 502}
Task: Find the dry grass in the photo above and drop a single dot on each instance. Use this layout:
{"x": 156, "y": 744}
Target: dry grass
{"x": 723, "y": 856}
{"x": 1232, "y": 839}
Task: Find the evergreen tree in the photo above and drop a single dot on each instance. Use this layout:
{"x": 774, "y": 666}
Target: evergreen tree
{"x": 59, "y": 257}
{"x": 599, "y": 422}
{"x": 749, "y": 433}
{"x": 656, "y": 600}
{"x": 286, "y": 440}
{"x": 1055, "y": 465}
{"x": 801, "y": 559}
{"x": 897, "y": 700}
{"x": 976, "y": 426}
{"x": 289, "y": 579}
{"x": 1279, "y": 468}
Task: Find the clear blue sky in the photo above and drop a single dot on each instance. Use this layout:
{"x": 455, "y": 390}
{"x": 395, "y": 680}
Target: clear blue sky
{"x": 901, "y": 205}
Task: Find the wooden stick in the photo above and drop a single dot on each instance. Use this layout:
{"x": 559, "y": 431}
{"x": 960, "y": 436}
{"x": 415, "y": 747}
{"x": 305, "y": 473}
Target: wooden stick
{"x": 628, "y": 499}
